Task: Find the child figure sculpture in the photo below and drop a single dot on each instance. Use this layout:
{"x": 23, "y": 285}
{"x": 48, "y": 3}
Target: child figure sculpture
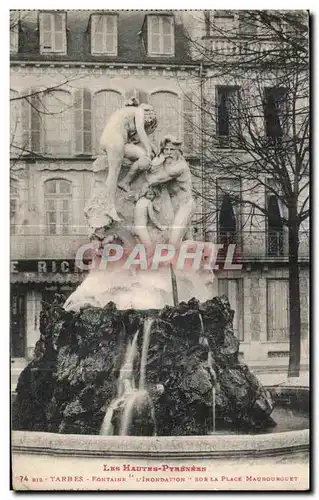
{"x": 143, "y": 212}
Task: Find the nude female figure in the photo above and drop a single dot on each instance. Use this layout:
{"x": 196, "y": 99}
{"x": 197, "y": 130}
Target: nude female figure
{"x": 125, "y": 136}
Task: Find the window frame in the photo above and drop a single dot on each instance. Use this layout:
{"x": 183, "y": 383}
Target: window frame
{"x": 180, "y": 125}
{"x": 93, "y": 20}
{"x": 60, "y": 197}
{"x": 20, "y": 317}
{"x": 284, "y": 213}
{"x": 284, "y": 124}
{"x": 237, "y": 207}
{"x": 161, "y": 35}
{"x": 225, "y": 140}
{"x": 275, "y": 340}
{"x": 52, "y": 49}
{"x": 14, "y": 32}
{"x": 94, "y": 96}
{"x": 43, "y": 132}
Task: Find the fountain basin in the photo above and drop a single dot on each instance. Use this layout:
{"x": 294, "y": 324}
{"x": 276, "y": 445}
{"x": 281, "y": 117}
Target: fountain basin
{"x": 264, "y": 461}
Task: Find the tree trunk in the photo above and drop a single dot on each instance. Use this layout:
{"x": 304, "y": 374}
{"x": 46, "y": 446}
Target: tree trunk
{"x": 294, "y": 298}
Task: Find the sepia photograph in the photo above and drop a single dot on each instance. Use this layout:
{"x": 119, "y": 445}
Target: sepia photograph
{"x": 159, "y": 250}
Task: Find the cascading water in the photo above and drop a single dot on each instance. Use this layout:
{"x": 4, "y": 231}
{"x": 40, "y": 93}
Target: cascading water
{"x": 146, "y": 342}
{"x": 125, "y": 386}
{"x": 126, "y": 391}
{"x": 140, "y": 397}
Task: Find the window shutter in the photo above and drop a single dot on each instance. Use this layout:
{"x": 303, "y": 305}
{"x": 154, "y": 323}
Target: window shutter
{"x": 168, "y": 35}
{"x": 278, "y": 321}
{"x": 82, "y": 121}
{"x": 87, "y": 122}
{"x": 154, "y": 35}
{"x": 36, "y": 107}
{"x": 59, "y": 32}
{"x": 188, "y": 115}
{"x": 110, "y": 25}
{"x": 31, "y": 118}
{"x": 97, "y": 32}
{"x": 26, "y": 121}
{"x": 78, "y": 121}
{"x": 46, "y": 29}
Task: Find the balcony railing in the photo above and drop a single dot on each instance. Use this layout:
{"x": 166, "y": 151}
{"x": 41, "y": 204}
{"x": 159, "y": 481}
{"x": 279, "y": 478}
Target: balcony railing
{"x": 254, "y": 246}
{"x": 239, "y": 46}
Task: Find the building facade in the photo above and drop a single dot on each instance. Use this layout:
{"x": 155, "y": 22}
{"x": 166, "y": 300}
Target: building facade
{"x": 69, "y": 72}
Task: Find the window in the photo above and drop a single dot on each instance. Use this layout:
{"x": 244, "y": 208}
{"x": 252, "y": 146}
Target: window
{"x": 53, "y": 32}
{"x": 166, "y": 105}
{"x": 17, "y": 324}
{"x": 228, "y": 211}
{"x": 13, "y": 213}
{"x": 15, "y": 119}
{"x": 83, "y": 121}
{"x": 161, "y": 39}
{"x": 14, "y": 196}
{"x": 224, "y": 22}
{"x": 277, "y": 310}
{"x": 233, "y": 288}
{"x": 104, "y": 34}
{"x": 105, "y": 103}
{"x": 227, "y": 112}
{"x": 14, "y": 32}
{"x": 276, "y": 112}
{"x": 56, "y": 128}
{"x": 248, "y": 23}
{"x": 275, "y": 233}
{"x": 58, "y": 199}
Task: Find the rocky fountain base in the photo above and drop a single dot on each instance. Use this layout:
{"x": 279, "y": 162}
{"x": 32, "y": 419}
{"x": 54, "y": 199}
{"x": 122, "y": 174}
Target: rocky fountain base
{"x": 192, "y": 377}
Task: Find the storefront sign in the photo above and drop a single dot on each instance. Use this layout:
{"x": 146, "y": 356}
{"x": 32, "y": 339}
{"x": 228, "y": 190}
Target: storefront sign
{"x": 44, "y": 266}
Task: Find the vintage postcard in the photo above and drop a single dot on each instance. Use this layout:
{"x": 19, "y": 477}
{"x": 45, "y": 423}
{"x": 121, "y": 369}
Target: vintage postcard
{"x": 159, "y": 203}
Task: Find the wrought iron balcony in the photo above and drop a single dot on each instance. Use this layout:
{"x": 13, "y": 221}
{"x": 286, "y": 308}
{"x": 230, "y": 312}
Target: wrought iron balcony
{"x": 258, "y": 246}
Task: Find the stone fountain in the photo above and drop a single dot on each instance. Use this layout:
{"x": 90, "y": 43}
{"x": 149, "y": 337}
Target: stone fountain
{"x": 139, "y": 349}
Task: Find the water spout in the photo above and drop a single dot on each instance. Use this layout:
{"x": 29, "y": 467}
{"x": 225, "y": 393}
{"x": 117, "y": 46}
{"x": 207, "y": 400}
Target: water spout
{"x": 136, "y": 400}
{"x": 126, "y": 380}
{"x": 125, "y": 386}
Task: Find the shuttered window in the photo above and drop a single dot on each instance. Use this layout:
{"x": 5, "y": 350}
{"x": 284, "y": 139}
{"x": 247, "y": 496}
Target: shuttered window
{"x": 14, "y": 197}
{"x": 228, "y": 111}
{"x": 15, "y": 121}
{"x": 233, "y": 288}
{"x": 228, "y": 210}
{"x": 161, "y": 40}
{"x": 31, "y": 119}
{"x": 82, "y": 121}
{"x": 167, "y": 108}
{"x": 188, "y": 119}
{"x": 223, "y": 22}
{"x": 53, "y": 32}
{"x": 277, "y": 310}
{"x": 105, "y": 103}
{"x": 58, "y": 199}
{"x": 14, "y": 32}
{"x": 18, "y": 324}
{"x": 56, "y": 126}
{"x": 104, "y": 34}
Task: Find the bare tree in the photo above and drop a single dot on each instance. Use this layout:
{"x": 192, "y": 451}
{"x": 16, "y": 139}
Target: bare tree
{"x": 254, "y": 103}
